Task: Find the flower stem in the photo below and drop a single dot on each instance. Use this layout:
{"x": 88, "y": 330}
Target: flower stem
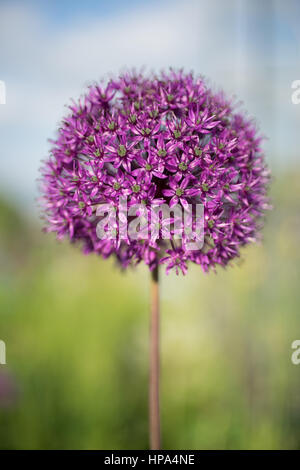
{"x": 154, "y": 414}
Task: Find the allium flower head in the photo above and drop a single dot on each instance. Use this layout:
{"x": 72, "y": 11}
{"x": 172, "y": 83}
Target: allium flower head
{"x": 159, "y": 139}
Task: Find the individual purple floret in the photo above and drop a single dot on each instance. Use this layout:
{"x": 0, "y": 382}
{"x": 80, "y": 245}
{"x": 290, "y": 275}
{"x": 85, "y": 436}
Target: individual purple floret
{"x": 157, "y": 139}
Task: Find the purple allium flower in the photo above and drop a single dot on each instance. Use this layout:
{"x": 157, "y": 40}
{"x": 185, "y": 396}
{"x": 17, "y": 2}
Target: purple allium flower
{"x": 164, "y": 138}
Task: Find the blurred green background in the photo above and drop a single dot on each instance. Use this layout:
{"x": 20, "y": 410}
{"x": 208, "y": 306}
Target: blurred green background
{"x": 76, "y": 332}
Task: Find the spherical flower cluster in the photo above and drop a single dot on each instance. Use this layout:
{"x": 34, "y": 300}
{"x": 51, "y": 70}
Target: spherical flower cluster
{"x": 159, "y": 139}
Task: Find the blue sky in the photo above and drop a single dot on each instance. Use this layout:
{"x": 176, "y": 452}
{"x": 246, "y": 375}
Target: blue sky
{"x": 62, "y": 12}
{"x": 50, "y": 51}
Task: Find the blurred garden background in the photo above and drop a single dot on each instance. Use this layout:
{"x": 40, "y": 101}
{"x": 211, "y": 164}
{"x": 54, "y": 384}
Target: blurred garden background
{"x": 75, "y": 327}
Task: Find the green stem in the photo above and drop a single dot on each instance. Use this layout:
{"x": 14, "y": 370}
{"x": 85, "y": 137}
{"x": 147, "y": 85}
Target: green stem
{"x": 154, "y": 412}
